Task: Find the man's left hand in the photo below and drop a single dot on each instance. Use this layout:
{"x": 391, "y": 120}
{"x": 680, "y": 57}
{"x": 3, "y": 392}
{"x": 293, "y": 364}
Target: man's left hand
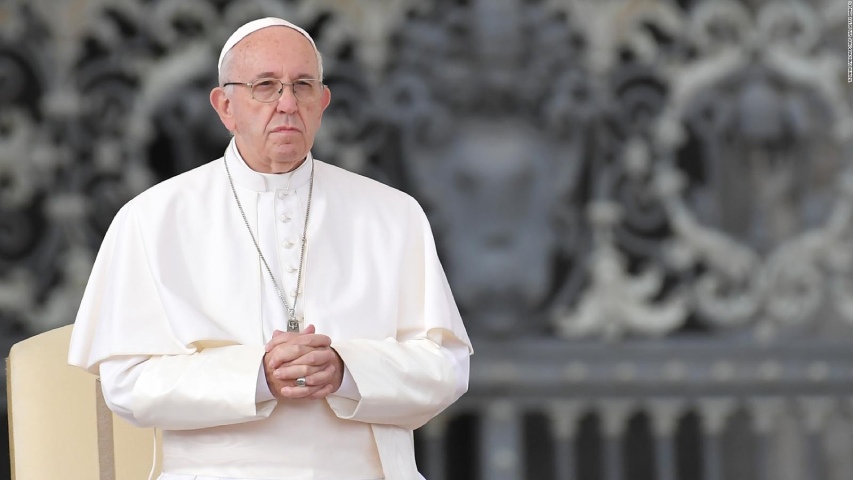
{"x": 321, "y": 366}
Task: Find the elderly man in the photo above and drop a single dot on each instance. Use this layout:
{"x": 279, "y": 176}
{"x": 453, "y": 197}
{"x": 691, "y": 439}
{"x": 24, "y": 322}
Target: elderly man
{"x": 277, "y": 317}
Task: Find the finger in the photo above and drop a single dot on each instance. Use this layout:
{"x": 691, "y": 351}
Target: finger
{"x": 314, "y": 340}
{"x": 315, "y": 356}
{"x": 322, "y": 376}
{"x": 279, "y": 337}
{"x": 284, "y": 355}
{"x": 313, "y": 378}
{"x": 324, "y": 392}
{"x": 299, "y": 353}
{"x": 312, "y": 375}
{"x": 296, "y": 371}
{"x": 301, "y": 338}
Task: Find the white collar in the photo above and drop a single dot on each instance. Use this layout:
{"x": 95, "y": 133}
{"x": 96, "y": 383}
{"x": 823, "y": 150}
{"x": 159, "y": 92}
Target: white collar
{"x": 265, "y": 182}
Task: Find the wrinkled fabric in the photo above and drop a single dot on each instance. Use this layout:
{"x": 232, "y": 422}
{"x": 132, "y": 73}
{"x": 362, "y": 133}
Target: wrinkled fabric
{"x": 178, "y": 283}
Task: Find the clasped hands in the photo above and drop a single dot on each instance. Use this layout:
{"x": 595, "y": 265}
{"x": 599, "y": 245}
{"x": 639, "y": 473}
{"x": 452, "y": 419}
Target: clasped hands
{"x": 290, "y": 355}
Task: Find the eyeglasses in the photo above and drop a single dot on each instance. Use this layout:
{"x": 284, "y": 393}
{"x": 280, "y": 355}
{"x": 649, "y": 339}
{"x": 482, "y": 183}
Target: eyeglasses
{"x": 268, "y": 90}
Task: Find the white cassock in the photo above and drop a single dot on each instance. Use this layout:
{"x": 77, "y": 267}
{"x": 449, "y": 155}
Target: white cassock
{"x": 179, "y": 307}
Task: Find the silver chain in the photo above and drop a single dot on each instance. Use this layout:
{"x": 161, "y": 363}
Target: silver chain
{"x": 292, "y": 322}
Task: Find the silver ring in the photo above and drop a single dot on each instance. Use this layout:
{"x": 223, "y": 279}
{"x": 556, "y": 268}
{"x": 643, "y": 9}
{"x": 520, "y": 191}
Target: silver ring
{"x": 300, "y": 382}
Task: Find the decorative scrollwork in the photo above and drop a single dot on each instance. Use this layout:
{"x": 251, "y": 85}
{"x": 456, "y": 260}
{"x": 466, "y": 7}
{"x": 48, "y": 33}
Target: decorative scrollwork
{"x": 708, "y": 144}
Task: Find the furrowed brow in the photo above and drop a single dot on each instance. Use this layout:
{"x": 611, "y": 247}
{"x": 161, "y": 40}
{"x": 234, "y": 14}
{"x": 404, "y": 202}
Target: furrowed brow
{"x": 264, "y": 75}
{"x": 300, "y": 76}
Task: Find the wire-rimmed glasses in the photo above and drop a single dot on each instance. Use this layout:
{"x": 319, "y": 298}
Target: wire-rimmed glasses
{"x": 268, "y": 90}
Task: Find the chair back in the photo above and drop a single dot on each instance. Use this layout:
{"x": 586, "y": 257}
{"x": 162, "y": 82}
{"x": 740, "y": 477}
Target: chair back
{"x": 59, "y": 425}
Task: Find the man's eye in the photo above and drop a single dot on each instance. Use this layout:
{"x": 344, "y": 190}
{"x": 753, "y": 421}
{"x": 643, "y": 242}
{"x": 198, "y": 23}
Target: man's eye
{"x": 304, "y": 85}
{"x": 266, "y": 85}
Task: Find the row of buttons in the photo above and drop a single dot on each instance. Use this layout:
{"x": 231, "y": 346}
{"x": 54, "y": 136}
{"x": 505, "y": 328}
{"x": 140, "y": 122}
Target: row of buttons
{"x": 284, "y": 218}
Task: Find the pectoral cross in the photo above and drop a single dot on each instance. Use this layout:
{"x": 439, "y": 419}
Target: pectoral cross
{"x": 292, "y": 322}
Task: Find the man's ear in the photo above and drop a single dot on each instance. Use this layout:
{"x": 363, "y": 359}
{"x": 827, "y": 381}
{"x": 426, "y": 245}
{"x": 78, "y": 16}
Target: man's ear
{"x": 222, "y": 104}
{"x": 326, "y": 98}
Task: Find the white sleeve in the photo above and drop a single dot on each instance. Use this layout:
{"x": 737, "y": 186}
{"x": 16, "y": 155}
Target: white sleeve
{"x": 407, "y": 379}
{"x": 262, "y": 389}
{"x": 118, "y": 376}
{"x": 217, "y": 386}
{"x": 348, "y": 387}
{"x": 402, "y": 383}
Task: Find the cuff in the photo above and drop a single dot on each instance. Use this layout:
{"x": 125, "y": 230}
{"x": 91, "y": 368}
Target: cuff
{"x": 262, "y": 389}
{"x": 348, "y": 387}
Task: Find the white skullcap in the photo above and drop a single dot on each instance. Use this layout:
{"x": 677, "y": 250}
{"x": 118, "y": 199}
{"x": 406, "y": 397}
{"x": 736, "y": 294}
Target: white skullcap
{"x": 253, "y": 27}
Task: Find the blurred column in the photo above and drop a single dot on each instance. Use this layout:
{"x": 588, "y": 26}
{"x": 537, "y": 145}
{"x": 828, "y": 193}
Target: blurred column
{"x": 816, "y": 411}
{"x": 713, "y": 413}
{"x": 614, "y": 418}
{"x": 501, "y": 441}
{"x": 764, "y": 413}
{"x": 564, "y": 421}
{"x": 664, "y": 415}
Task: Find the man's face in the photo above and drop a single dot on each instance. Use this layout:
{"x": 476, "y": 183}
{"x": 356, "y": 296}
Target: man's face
{"x": 272, "y": 137}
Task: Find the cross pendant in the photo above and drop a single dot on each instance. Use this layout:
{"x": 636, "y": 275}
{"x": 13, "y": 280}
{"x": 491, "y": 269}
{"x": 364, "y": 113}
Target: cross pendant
{"x": 293, "y": 325}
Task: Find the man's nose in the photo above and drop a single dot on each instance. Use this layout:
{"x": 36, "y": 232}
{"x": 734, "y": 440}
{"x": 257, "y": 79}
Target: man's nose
{"x": 287, "y": 102}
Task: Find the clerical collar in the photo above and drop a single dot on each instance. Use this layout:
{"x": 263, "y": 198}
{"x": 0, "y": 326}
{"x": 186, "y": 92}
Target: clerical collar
{"x": 245, "y": 177}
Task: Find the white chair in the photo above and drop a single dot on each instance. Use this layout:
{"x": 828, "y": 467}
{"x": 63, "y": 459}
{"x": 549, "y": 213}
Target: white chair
{"x": 59, "y": 425}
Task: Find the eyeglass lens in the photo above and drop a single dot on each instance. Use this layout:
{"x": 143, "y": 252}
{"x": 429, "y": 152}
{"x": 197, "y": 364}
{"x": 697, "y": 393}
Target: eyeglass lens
{"x": 269, "y": 90}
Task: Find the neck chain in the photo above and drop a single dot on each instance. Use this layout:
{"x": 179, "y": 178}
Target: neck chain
{"x": 292, "y": 322}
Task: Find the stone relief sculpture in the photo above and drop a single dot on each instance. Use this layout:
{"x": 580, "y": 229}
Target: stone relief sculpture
{"x": 493, "y": 136}
{"x": 746, "y": 161}
{"x": 773, "y": 134}
{"x": 714, "y": 130}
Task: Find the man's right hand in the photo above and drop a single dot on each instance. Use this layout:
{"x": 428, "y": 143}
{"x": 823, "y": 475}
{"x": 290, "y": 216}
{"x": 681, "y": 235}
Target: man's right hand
{"x": 290, "y": 355}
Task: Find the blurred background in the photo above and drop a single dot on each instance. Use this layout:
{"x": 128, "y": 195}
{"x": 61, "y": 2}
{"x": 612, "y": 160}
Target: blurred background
{"x": 645, "y": 208}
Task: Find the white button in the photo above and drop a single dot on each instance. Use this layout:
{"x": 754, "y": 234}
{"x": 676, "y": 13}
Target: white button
{"x": 284, "y": 218}
{"x": 288, "y": 244}
{"x": 281, "y": 194}
{"x": 291, "y": 269}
